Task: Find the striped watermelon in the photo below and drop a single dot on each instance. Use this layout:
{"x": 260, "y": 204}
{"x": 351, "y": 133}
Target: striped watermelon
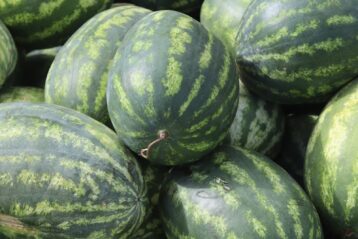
{"x": 258, "y": 124}
{"x": 331, "y": 168}
{"x": 186, "y": 6}
{"x": 47, "y": 23}
{"x": 234, "y": 193}
{"x": 64, "y": 175}
{"x": 8, "y": 53}
{"x": 223, "y": 17}
{"x": 295, "y": 52}
{"x": 22, "y": 94}
{"x": 78, "y": 76}
{"x": 294, "y": 144}
{"x": 36, "y": 66}
{"x": 173, "y": 89}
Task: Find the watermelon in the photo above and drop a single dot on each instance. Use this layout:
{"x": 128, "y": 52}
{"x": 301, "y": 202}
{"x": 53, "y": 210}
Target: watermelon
{"x": 331, "y": 167}
{"x": 78, "y": 76}
{"x": 294, "y": 144}
{"x": 65, "y": 175}
{"x": 8, "y": 55}
{"x": 186, "y": 6}
{"x": 295, "y": 52}
{"x": 223, "y": 18}
{"x": 43, "y": 24}
{"x": 173, "y": 90}
{"x": 234, "y": 193}
{"x": 22, "y": 94}
{"x": 36, "y": 66}
{"x": 258, "y": 124}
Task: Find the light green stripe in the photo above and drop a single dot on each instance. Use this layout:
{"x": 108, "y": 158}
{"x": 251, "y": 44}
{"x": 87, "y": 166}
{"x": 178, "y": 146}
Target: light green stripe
{"x": 352, "y": 194}
{"x": 256, "y": 224}
{"x": 328, "y": 45}
{"x": 179, "y": 38}
{"x": 341, "y": 20}
{"x": 294, "y": 211}
{"x": 6, "y": 179}
{"x": 123, "y": 99}
{"x": 271, "y": 175}
{"x": 193, "y": 93}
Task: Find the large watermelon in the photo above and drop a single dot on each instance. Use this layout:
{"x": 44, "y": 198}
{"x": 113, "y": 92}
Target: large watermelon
{"x": 47, "y": 23}
{"x": 79, "y": 73}
{"x": 298, "y": 51}
{"x": 258, "y": 124}
{"x": 223, "y": 17}
{"x": 22, "y": 94}
{"x": 173, "y": 89}
{"x": 232, "y": 194}
{"x": 65, "y": 175}
{"x": 8, "y": 53}
{"x": 331, "y": 167}
{"x": 294, "y": 144}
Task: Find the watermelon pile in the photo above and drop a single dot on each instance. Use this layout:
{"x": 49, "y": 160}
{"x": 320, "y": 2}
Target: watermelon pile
{"x": 183, "y": 119}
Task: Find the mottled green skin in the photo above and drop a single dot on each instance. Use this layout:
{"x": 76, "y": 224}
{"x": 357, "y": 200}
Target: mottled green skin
{"x": 8, "y": 54}
{"x": 189, "y": 86}
{"x": 186, "y": 6}
{"x": 65, "y": 175}
{"x": 258, "y": 125}
{"x": 295, "y": 52}
{"x": 36, "y": 66}
{"x": 331, "y": 167}
{"x": 294, "y": 144}
{"x": 78, "y": 76}
{"x": 236, "y": 194}
{"x": 223, "y": 17}
{"x": 47, "y": 23}
{"x": 22, "y": 94}
{"x": 154, "y": 176}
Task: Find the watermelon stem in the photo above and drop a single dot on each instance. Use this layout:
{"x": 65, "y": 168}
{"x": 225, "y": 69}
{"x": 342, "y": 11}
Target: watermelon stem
{"x": 162, "y": 135}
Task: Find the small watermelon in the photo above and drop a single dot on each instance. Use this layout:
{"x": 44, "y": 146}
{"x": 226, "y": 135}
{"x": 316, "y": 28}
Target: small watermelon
{"x": 258, "y": 124}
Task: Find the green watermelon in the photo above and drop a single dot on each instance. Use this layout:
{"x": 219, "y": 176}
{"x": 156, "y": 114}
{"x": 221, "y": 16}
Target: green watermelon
{"x": 186, "y": 6}
{"x": 173, "y": 89}
{"x": 294, "y": 144}
{"x": 78, "y": 76}
{"x": 295, "y": 52}
{"x": 258, "y": 124}
{"x": 36, "y": 66}
{"x": 22, "y": 94}
{"x": 234, "y": 193}
{"x": 65, "y": 175}
{"x": 331, "y": 167}
{"x": 223, "y": 18}
{"x": 47, "y": 23}
{"x": 8, "y": 54}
